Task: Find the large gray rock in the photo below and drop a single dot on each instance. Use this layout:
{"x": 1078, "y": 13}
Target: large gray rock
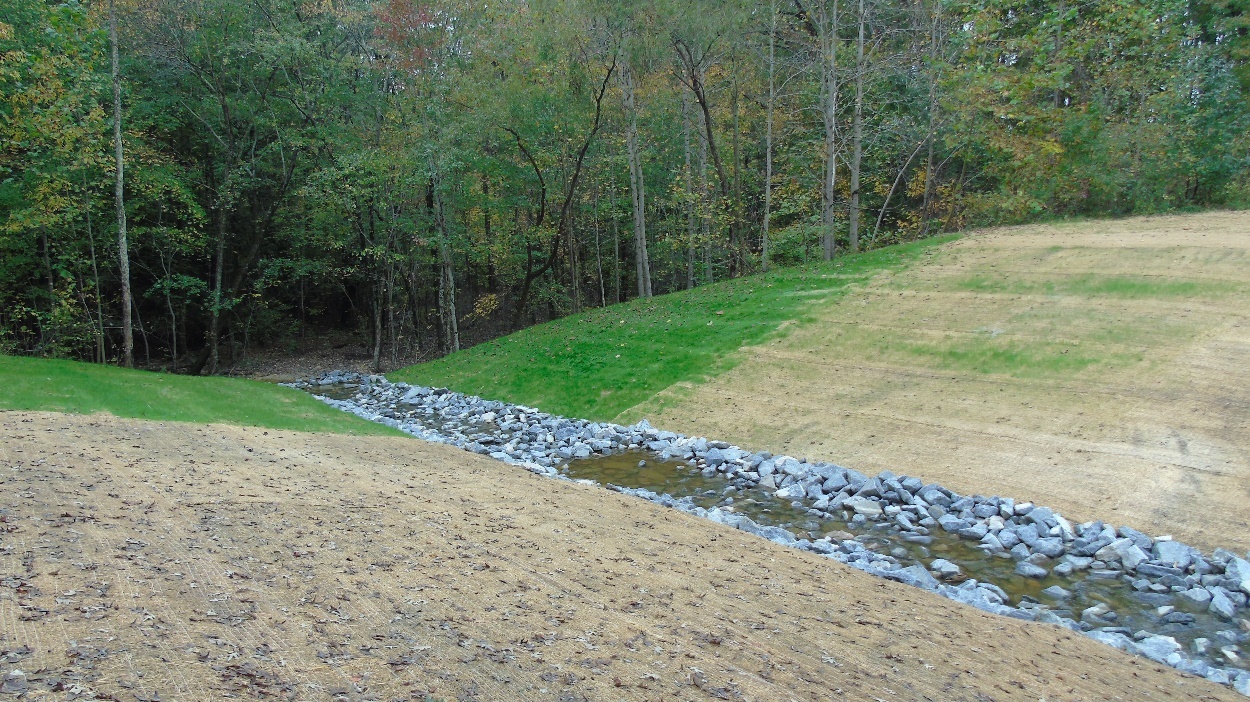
{"x": 1197, "y": 595}
{"x": 835, "y": 483}
{"x": 794, "y": 491}
{"x": 1027, "y": 533}
{"x": 1088, "y": 545}
{"x": 1114, "y": 640}
{"x": 1029, "y": 570}
{"x": 934, "y": 496}
{"x": 1123, "y": 550}
{"x": 1161, "y": 649}
{"x": 915, "y": 575}
{"x": 944, "y": 568}
{"x": 1242, "y": 684}
{"x": 1051, "y": 547}
{"x": 1238, "y": 569}
{"x": 1173, "y": 554}
{"x": 864, "y": 506}
{"x": 1056, "y": 592}
{"x": 1221, "y": 606}
{"x": 872, "y": 488}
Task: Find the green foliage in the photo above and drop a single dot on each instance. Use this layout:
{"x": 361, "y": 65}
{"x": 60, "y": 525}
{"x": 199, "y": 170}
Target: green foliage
{"x": 385, "y": 167}
{"x": 30, "y": 384}
{"x": 601, "y": 363}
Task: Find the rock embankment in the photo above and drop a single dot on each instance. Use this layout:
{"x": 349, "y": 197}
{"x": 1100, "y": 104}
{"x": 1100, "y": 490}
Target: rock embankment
{"x": 1172, "y": 577}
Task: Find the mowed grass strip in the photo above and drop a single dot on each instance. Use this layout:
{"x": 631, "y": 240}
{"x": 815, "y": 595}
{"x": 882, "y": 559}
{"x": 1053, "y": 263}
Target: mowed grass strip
{"x": 1090, "y": 285}
{"x": 600, "y": 363}
{"x": 37, "y": 384}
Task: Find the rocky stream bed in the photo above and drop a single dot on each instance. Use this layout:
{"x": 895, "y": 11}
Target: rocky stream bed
{"x": 1150, "y": 596}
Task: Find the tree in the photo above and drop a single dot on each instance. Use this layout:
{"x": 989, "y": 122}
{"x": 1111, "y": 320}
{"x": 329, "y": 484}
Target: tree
{"x": 123, "y": 246}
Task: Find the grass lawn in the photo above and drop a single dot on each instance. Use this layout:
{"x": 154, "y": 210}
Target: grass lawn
{"x": 600, "y": 363}
{"x": 39, "y": 384}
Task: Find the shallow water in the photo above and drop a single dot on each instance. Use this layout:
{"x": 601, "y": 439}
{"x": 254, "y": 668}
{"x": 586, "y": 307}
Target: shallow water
{"x": 1133, "y": 610}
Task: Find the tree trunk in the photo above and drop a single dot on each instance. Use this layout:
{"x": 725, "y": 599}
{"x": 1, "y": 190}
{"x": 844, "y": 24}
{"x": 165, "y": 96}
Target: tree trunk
{"x": 447, "y": 277}
{"x": 897, "y": 179}
{"x": 705, "y": 206}
{"x": 828, "y": 34}
{"x": 377, "y": 325}
{"x": 737, "y": 247}
{"x": 857, "y": 134}
{"x": 637, "y": 187}
{"x": 768, "y": 135}
{"x": 616, "y": 258}
{"x": 603, "y": 295}
{"x": 214, "y": 326}
{"x": 575, "y": 278}
{"x": 692, "y": 230}
{"x": 95, "y": 272}
{"x": 123, "y": 248}
{"x": 927, "y": 205}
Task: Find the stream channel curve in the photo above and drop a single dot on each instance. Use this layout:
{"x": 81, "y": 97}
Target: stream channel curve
{"x": 1153, "y": 597}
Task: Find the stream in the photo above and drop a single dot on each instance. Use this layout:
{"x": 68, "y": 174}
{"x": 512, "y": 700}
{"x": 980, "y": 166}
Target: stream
{"x": 1127, "y": 590}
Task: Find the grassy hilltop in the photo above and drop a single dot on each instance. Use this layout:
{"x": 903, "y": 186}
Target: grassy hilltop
{"x": 602, "y": 362}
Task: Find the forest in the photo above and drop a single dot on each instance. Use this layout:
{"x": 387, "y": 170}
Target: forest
{"x": 183, "y": 182}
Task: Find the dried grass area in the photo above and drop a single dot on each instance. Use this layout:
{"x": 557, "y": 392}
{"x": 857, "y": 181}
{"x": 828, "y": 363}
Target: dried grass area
{"x": 1100, "y": 368}
{"x": 144, "y": 561}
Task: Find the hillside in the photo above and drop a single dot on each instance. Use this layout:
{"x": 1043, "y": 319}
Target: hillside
{"x": 149, "y": 561}
{"x": 1101, "y": 368}
{"x": 87, "y": 388}
{"x": 597, "y": 364}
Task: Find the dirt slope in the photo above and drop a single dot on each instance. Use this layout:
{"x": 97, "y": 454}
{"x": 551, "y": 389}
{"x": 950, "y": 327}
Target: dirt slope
{"x": 1099, "y": 368}
{"x": 214, "y": 562}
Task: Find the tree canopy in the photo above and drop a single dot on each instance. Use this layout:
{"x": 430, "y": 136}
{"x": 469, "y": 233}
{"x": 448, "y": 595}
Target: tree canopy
{"x": 431, "y": 174}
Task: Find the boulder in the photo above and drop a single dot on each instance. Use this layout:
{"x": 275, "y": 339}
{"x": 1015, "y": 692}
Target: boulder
{"x": 1029, "y": 570}
{"x": 1056, "y": 593}
{"x": 1221, "y": 606}
{"x": 863, "y": 505}
{"x": 1197, "y": 595}
{"x": 1123, "y": 550}
{"x": 1173, "y": 554}
{"x": 1238, "y": 569}
{"x": 1051, "y": 547}
{"x": 1242, "y": 683}
{"x": 1160, "y": 649}
{"x": 914, "y": 575}
{"x": 794, "y": 491}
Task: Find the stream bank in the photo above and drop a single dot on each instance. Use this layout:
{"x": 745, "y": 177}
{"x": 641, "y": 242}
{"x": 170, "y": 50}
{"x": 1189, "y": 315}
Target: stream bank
{"x": 1153, "y": 597}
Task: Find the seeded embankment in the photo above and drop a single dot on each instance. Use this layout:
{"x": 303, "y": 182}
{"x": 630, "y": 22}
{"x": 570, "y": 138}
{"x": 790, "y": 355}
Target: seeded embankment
{"x": 167, "y": 561}
{"x": 1100, "y": 368}
{"x": 86, "y": 388}
{"x": 597, "y": 364}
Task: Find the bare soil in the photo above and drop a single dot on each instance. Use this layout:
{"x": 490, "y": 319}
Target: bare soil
{"x": 144, "y": 561}
{"x": 1100, "y": 368}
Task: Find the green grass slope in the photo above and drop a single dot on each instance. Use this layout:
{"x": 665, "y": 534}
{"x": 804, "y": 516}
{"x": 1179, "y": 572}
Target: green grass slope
{"x": 38, "y": 384}
{"x": 600, "y": 363}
